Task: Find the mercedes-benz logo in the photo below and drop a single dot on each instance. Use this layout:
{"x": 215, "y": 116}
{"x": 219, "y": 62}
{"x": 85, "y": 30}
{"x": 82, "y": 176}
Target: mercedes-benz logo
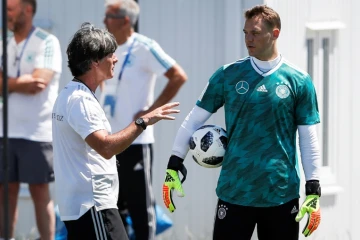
{"x": 242, "y": 87}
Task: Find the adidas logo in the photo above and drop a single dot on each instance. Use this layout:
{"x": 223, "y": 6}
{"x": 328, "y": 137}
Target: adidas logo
{"x": 262, "y": 88}
{"x": 169, "y": 178}
{"x": 294, "y": 210}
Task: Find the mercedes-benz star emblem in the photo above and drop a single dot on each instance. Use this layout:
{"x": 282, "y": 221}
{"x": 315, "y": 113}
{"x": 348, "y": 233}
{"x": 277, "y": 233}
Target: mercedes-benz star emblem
{"x": 242, "y": 87}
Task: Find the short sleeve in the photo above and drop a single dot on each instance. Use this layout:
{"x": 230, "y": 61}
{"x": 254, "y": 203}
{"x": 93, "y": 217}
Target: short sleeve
{"x": 85, "y": 116}
{"x": 212, "y": 97}
{"x": 158, "y": 61}
{"x": 307, "y": 112}
{"x": 49, "y": 55}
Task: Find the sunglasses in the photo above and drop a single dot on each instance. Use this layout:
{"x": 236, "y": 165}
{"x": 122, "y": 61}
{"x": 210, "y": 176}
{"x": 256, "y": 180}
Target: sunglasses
{"x": 114, "y": 16}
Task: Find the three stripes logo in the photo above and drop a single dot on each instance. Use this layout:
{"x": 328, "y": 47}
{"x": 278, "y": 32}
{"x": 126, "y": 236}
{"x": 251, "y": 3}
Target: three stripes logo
{"x": 312, "y": 203}
{"x": 262, "y": 88}
{"x": 169, "y": 178}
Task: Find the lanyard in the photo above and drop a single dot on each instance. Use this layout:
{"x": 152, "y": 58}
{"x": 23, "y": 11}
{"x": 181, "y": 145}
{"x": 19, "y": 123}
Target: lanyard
{"x": 18, "y": 58}
{"x": 126, "y": 59}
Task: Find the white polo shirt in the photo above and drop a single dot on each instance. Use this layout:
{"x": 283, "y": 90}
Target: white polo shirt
{"x": 135, "y": 90}
{"x": 30, "y": 115}
{"x": 83, "y": 178}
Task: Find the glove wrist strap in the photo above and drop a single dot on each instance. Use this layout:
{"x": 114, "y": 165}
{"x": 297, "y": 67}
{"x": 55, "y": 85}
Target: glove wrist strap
{"x": 312, "y": 187}
{"x": 175, "y": 163}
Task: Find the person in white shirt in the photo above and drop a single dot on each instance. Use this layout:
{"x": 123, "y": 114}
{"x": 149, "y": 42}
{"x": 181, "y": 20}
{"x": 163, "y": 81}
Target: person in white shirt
{"x": 34, "y": 67}
{"x": 130, "y": 94}
{"x": 84, "y": 144}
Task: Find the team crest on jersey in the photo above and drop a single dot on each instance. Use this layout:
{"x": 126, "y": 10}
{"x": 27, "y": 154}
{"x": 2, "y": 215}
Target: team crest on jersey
{"x": 222, "y": 211}
{"x": 30, "y": 57}
{"x": 282, "y": 91}
{"x": 242, "y": 87}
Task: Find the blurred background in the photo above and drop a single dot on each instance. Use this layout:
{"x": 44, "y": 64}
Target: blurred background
{"x": 320, "y": 37}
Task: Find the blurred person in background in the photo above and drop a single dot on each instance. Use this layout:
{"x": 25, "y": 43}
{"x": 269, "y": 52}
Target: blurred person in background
{"x": 266, "y": 102}
{"x": 84, "y": 144}
{"x": 130, "y": 94}
{"x": 34, "y": 67}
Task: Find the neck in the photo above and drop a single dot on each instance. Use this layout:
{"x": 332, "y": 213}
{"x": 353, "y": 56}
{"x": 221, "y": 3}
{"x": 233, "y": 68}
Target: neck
{"x": 22, "y": 33}
{"x": 122, "y": 37}
{"x": 89, "y": 81}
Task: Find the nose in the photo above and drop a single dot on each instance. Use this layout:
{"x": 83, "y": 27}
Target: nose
{"x": 115, "y": 58}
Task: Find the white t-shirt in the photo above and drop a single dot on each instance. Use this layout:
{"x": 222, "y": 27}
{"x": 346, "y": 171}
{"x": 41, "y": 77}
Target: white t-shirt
{"x": 83, "y": 178}
{"x": 135, "y": 91}
{"x": 30, "y": 115}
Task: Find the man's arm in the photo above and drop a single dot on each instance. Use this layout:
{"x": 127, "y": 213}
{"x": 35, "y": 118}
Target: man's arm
{"x": 108, "y": 145}
{"x": 177, "y": 77}
{"x": 29, "y": 83}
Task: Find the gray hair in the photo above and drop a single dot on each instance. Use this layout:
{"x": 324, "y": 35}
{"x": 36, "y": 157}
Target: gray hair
{"x": 128, "y": 8}
{"x": 89, "y": 44}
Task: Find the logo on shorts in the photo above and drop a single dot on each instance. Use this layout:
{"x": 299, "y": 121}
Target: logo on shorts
{"x": 242, "y": 87}
{"x": 222, "y": 211}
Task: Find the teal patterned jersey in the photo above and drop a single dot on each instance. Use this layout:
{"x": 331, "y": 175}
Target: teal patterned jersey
{"x": 262, "y": 112}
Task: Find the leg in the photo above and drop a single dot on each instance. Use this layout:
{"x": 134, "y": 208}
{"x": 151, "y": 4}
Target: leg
{"x": 233, "y": 222}
{"x": 13, "y": 212}
{"x": 13, "y": 188}
{"x": 135, "y": 169}
{"x": 114, "y": 227}
{"x": 36, "y": 169}
{"x": 279, "y": 222}
{"x": 44, "y": 210}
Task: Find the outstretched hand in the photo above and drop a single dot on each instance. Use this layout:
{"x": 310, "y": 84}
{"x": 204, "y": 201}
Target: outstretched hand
{"x": 161, "y": 113}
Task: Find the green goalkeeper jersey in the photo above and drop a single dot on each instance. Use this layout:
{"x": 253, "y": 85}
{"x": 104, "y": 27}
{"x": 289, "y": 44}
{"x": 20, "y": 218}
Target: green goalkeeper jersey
{"x": 262, "y": 112}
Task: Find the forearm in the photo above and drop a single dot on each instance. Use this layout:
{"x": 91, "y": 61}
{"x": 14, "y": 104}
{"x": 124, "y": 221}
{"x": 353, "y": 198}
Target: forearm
{"x": 11, "y": 83}
{"x": 195, "y": 119}
{"x": 116, "y": 143}
{"x": 310, "y": 152}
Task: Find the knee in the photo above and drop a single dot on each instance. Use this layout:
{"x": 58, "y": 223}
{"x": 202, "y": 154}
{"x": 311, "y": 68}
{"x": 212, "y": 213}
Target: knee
{"x": 39, "y": 191}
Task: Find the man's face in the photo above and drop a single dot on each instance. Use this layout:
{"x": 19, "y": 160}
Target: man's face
{"x": 113, "y": 21}
{"x": 16, "y": 15}
{"x": 259, "y": 39}
{"x": 107, "y": 65}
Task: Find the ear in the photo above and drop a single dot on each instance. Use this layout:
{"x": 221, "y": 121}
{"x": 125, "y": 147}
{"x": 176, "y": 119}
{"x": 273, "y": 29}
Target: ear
{"x": 28, "y": 9}
{"x": 95, "y": 64}
{"x": 276, "y": 33}
{"x": 127, "y": 20}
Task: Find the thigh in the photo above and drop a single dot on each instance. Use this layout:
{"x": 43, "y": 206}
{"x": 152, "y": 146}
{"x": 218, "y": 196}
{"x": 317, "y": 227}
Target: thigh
{"x": 12, "y": 163}
{"x": 113, "y": 226}
{"x": 35, "y": 161}
{"x": 233, "y": 222}
{"x": 95, "y": 225}
{"x": 279, "y": 222}
{"x": 134, "y": 170}
{"x": 136, "y": 189}
{"x": 82, "y": 228}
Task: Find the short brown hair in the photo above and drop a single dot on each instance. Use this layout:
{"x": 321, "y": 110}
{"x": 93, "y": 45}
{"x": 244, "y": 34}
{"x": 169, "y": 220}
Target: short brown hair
{"x": 32, "y": 3}
{"x": 272, "y": 18}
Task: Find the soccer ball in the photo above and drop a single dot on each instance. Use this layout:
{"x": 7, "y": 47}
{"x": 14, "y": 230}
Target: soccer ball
{"x": 208, "y": 145}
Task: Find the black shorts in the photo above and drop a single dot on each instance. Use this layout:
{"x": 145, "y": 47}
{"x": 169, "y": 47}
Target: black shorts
{"x": 28, "y": 161}
{"x": 235, "y": 222}
{"x": 97, "y": 225}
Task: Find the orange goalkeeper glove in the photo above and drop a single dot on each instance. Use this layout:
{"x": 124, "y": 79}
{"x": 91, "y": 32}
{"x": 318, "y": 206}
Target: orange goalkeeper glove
{"x": 311, "y": 206}
{"x": 172, "y": 181}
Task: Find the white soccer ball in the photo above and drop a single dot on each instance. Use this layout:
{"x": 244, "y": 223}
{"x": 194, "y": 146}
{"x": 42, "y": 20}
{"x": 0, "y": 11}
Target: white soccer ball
{"x": 208, "y": 145}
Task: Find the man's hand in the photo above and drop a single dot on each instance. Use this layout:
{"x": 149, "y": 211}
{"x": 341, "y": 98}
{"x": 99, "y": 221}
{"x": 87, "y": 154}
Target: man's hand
{"x": 27, "y": 84}
{"x": 311, "y": 206}
{"x": 172, "y": 181}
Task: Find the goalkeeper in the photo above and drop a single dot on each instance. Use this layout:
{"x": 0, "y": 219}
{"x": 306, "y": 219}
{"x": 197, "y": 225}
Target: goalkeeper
{"x": 266, "y": 102}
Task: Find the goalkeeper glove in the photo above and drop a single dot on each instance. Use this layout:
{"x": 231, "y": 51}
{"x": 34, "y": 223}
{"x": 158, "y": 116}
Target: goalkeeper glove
{"x": 311, "y": 206}
{"x": 172, "y": 181}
